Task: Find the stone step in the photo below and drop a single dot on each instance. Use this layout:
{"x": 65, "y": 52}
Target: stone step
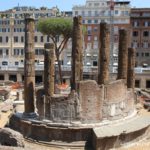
{"x": 124, "y": 133}
{"x": 124, "y": 127}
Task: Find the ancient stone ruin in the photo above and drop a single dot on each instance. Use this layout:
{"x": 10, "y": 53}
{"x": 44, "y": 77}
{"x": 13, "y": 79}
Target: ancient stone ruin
{"x": 93, "y": 112}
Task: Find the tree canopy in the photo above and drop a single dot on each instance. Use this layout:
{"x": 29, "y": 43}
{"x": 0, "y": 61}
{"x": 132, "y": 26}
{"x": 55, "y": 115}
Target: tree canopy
{"x": 56, "y": 26}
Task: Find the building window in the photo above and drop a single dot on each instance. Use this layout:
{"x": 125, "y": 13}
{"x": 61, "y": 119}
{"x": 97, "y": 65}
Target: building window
{"x": 95, "y": 63}
{"x": 96, "y": 13}
{"x": 1, "y": 39}
{"x": 16, "y": 63}
{"x": 22, "y": 51}
{"x": 95, "y": 45}
{"x": 4, "y": 63}
{"x": 76, "y": 13}
{"x": 136, "y": 24}
{"x": 41, "y": 51}
{"x": 145, "y": 33}
{"x": 89, "y": 38}
{"x": 95, "y": 38}
{"x": 15, "y": 39}
{"x": 147, "y": 55}
{"x": 36, "y": 51}
{"x": 89, "y": 21}
{"x": 7, "y": 51}
{"x": 1, "y": 51}
{"x": 47, "y": 38}
{"x": 145, "y": 44}
{"x": 134, "y": 44}
{"x": 3, "y": 29}
{"x": 96, "y": 4}
{"x": 35, "y": 39}
{"x": 90, "y": 4}
{"x": 126, "y": 13}
{"x": 95, "y": 29}
{"x": 22, "y": 39}
{"x": 116, "y": 12}
{"x": 89, "y": 30}
{"x": 137, "y": 54}
{"x": 95, "y": 21}
{"x": 16, "y": 51}
{"x": 83, "y": 14}
{"x": 135, "y": 33}
{"x": 89, "y": 45}
{"x": 145, "y": 24}
{"x": 6, "y": 39}
{"x": 42, "y": 39}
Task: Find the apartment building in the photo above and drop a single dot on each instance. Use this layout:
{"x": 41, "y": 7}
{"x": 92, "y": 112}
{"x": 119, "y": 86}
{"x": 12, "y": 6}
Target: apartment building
{"x": 94, "y": 12}
{"x": 12, "y": 41}
{"x": 140, "y": 21}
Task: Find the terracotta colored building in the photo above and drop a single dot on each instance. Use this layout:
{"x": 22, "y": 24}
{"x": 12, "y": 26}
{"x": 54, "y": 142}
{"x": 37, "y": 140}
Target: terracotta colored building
{"x": 140, "y": 22}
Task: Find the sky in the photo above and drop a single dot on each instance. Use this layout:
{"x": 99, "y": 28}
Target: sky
{"x": 63, "y": 5}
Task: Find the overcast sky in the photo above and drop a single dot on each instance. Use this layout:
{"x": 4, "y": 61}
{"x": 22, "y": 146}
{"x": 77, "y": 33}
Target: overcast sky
{"x": 62, "y": 4}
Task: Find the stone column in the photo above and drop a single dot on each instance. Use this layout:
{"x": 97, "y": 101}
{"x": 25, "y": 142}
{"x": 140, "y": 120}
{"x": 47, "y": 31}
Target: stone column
{"x": 123, "y": 54}
{"x": 29, "y": 68}
{"x": 77, "y": 52}
{"x": 49, "y": 64}
{"x": 104, "y": 54}
{"x": 131, "y": 65}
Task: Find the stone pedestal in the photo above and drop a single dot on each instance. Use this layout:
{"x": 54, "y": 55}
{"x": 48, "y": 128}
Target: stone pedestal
{"x": 49, "y": 63}
{"x": 77, "y": 52}
{"x": 29, "y": 70}
{"x": 6, "y": 77}
{"x": 131, "y": 65}
{"x": 19, "y": 77}
{"x": 123, "y": 54}
{"x": 104, "y": 54}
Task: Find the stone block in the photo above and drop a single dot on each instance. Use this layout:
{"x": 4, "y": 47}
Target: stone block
{"x": 9, "y": 137}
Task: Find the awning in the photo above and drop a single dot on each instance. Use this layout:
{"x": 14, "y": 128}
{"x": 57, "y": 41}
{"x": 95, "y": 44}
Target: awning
{"x": 95, "y": 55}
{"x": 88, "y": 54}
{"x": 69, "y": 63}
{"x": 68, "y": 55}
{"x": 115, "y": 55}
{"x": 115, "y": 64}
{"x": 144, "y": 64}
{"x": 88, "y": 64}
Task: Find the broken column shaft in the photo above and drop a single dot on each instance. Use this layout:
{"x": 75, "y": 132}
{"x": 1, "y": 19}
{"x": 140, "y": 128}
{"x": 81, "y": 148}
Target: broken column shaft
{"x": 77, "y": 52}
{"x": 29, "y": 68}
{"x": 131, "y": 65}
{"x": 104, "y": 54}
{"x": 123, "y": 54}
{"x": 49, "y": 61}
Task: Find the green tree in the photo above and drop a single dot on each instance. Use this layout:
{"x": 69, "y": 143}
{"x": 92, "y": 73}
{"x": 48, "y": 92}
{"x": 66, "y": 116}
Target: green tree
{"x": 54, "y": 28}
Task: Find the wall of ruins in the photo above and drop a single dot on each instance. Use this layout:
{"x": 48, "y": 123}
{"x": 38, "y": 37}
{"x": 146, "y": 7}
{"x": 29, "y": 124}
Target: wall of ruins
{"x": 92, "y": 104}
{"x": 118, "y": 101}
{"x": 91, "y": 99}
